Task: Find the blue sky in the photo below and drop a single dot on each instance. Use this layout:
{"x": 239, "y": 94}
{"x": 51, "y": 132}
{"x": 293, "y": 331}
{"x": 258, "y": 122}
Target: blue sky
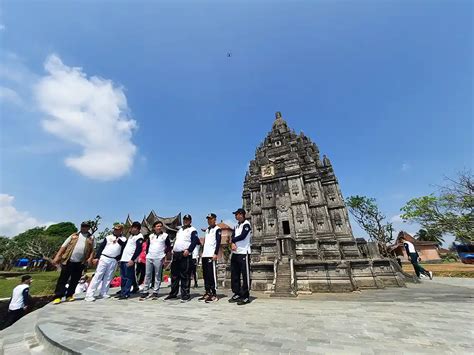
{"x": 383, "y": 88}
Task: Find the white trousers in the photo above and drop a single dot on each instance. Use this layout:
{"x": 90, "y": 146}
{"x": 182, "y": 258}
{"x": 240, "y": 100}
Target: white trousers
{"x": 102, "y": 277}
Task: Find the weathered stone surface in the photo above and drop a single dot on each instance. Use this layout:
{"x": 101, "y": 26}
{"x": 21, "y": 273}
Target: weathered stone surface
{"x": 431, "y": 317}
{"x": 302, "y": 238}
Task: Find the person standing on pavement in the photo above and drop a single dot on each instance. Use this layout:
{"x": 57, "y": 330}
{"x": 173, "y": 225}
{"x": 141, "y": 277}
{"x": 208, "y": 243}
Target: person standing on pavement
{"x": 75, "y": 252}
{"x": 107, "y": 256}
{"x": 185, "y": 242}
{"x": 240, "y": 259}
{"x": 194, "y": 265}
{"x": 414, "y": 258}
{"x": 158, "y": 245}
{"x": 212, "y": 243}
{"x": 132, "y": 249}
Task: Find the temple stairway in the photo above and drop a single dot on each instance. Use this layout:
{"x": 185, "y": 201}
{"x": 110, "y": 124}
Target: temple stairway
{"x": 283, "y": 287}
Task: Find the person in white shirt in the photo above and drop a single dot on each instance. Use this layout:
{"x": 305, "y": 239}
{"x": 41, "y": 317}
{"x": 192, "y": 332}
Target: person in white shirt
{"x": 20, "y": 300}
{"x": 158, "y": 245}
{"x": 194, "y": 265}
{"x": 413, "y": 256}
{"x": 212, "y": 243}
{"x": 130, "y": 253}
{"x": 185, "y": 242}
{"x": 76, "y": 251}
{"x": 107, "y": 255}
{"x": 240, "y": 259}
{"x": 82, "y": 285}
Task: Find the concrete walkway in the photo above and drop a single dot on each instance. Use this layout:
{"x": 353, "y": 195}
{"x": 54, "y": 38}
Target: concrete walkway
{"x": 432, "y": 317}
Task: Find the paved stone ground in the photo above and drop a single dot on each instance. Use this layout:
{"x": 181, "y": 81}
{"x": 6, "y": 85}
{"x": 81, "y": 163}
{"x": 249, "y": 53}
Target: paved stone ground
{"x": 432, "y": 317}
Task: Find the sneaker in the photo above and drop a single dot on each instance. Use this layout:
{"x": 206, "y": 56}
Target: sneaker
{"x": 184, "y": 300}
{"x": 143, "y": 296}
{"x": 70, "y": 299}
{"x": 153, "y": 296}
{"x": 212, "y": 299}
{"x": 123, "y": 297}
{"x": 234, "y": 298}
{"x": 203, "y": 297}
{"x": 243, "y": 301}
{"x": 89, "y": 299}
{"x": 106, "y": 296}
{"x": 57, "y": 301}
{"x": 431, "y": 275}
{"x": 170, "y": 297}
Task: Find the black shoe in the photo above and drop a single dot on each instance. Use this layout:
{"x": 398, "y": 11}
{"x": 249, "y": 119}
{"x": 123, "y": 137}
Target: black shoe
{"x": 170, "y": 297}
{"x": 143, "y": 296}
{"x": 243, "y": 301}
{"x": 234, "y": 298}
{"x": 135, "y": 290}
{"x": 154, "y": 296}
{"x": 123, "y": 297}
{"x": 184, "y": 300}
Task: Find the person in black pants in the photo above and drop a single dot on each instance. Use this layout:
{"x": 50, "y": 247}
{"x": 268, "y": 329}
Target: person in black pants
{"x": 240, "y": 260}
{"x": 20, "y": 300}
{"x": 212, "y": 243}
{"x": 75, "y": 252}
{"x": 185, "y": 242}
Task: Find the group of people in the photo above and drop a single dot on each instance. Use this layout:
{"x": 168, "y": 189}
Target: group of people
{"x": 116, "y": 249}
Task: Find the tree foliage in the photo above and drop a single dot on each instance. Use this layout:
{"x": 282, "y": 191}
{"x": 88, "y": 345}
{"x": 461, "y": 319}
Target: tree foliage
{"x": 450, "y": 211}
{"x": 429, "y": 236}
{"x": 367, "y": 215}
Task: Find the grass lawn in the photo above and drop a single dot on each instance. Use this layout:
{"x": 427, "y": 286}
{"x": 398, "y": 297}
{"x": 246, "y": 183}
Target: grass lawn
{"x": 43, "y": 284}
{"x": 445, "y": 269}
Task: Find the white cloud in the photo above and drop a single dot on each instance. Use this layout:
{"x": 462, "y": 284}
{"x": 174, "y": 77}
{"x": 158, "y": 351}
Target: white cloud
{"x": 9, "y": 95}
{"x": 400, "y": 225}
{"x": 2, "y": 26}
{"x": 91, "y": 112}
{"x": 405, "y": 167}
{"x": 13, "y": 221}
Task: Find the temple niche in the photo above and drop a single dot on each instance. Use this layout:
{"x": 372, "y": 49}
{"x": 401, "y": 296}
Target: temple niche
{"x": 302, "y": 237}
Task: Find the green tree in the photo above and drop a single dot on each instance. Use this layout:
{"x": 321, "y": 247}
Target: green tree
{"x": 367, "y": 215}
{"x": 429, "y": 236}
{"x": 61, "y": 230}
{"x": 451, "y": 211}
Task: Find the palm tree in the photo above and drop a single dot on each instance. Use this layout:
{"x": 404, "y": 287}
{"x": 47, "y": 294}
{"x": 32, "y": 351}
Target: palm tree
{"x": 427, "y": 235}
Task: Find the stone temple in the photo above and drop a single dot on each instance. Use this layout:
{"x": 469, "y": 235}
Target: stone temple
{"x": 302, "y": 237}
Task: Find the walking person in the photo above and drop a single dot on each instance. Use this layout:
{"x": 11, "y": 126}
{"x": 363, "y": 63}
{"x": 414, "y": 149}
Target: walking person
{"x": 132, "y": 249}
{"x": 185, "y": 242}
{"x": 158, "y": 245}
{"x": 240, "y": 259}
{"x": 75, "y": 252}
{"x": 414, "y": 257}
{"x": 106, "y": 259}
{"x": 212, "y": 243}
{"x": 20, "y": 300}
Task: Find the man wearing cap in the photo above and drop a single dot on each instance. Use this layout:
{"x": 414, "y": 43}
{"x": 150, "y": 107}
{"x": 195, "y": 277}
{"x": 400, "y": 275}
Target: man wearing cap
{"x": 75, "y": 252}
{"x": 132, "y": 250}
{"x": 185, "y": 242}
{"x": 108, "y": 253}
{"x": 212, "y": 243}
{"x": 240, "y": 259}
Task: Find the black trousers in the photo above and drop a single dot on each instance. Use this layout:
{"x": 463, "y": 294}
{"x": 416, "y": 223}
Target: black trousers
{"x": 141, "y": 267}
{"x": 209, "y": 274}
{"x": 240, "y": 274}
{"x": 71, "y": 272}
{"x": 15, "y": 315}
{"x": 181, "y": 274}
{"x": 418, "y": 268}
{"x": 194, "y": 271}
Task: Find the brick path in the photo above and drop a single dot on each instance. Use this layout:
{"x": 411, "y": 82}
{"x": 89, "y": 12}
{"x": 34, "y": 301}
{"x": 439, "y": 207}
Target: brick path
{"x": 432, "y": 317}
